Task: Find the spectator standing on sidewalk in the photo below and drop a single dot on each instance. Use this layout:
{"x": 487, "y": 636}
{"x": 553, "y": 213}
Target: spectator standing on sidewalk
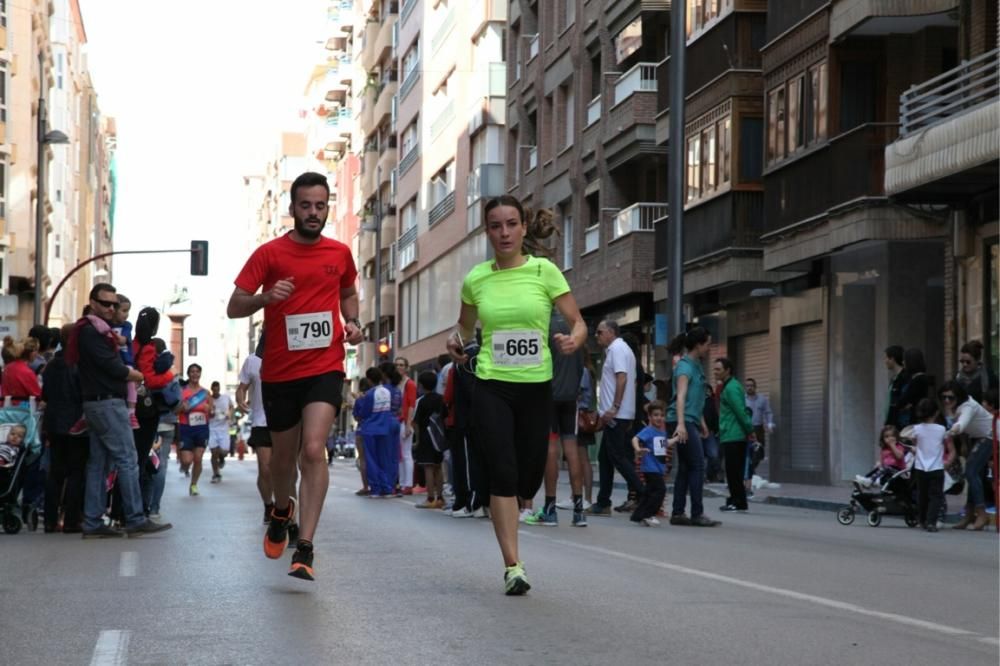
{"x": 408, "y": 390}
{"x": 735, "y": 430}
{"x": 975, "y": 376}
{"x": 685, "y": 421}
{"x": 932, "y": 447}
{"x": 915, "y": 388}
{"x": 616, "y": 405}
{"x": 762, "y": 419}
{"x": 93, "y": 348}
{"x": 973, "y": 421}
{"x": 897, "y": 379}
{"x": 68, "y": 453}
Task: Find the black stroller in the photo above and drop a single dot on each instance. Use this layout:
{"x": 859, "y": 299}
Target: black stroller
{"x": 892, "y": 497}
{"x": 12, "y": 478}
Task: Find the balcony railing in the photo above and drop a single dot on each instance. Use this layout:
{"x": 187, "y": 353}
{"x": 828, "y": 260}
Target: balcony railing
{"x": 530, "y": 159}
{"x": 640, "y": 77}
{"x": 441, "y": 35}
{"x": 406, "y": 10}
{"x": 443, "y": 120}
{"x": 409, "y": 81}
{"x": 485, "y": 181}
{"x": 591, "y": 238}
{"x": 637, "y": 217}
{"x": 441, "y": 209}
{"x": 406, "y": 247}
{"x": 967, "y": 86}
{"x": 409, "y": 159}
{"x": 594, "y": 111}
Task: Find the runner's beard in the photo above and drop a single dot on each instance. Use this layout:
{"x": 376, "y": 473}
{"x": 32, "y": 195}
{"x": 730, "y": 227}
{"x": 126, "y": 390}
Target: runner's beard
{"x": 305, "y": 232}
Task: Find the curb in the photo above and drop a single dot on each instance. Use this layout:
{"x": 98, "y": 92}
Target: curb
{"x": 825, "y": 505}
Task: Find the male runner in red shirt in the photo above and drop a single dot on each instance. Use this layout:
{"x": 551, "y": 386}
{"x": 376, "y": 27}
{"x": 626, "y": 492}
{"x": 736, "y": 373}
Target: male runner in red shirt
{"x": 307, "y": 283}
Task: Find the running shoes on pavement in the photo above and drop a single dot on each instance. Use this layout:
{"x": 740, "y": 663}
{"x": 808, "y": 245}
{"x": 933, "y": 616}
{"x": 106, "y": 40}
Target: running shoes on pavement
{"x": 302, "y": 562}
{"x": 276, "y": 537}
{"x": 515, "y": 582}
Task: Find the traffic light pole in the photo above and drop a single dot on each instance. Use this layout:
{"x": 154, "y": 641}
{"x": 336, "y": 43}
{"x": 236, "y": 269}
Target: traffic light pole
{"x": 55, "y": 292}
{"x": 378, "y": 259}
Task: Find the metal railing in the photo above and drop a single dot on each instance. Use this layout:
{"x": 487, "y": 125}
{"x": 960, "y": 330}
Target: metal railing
{"x": 967, "y": 86}
{"x": 641, "y": 77}
{"x": 406, "y": 247}
{"x": 406, "y": 9}
{"x": 409, "y": 81}
{"x": 591, "y": 238}
{"x": 443, "y": 119}
{"x": 441, "y": 35}
{"x": 637, "y": 217}
{"x": 594, "y": 111}
{"x": 409, "y": 159}
{"x": 441, "y": 209}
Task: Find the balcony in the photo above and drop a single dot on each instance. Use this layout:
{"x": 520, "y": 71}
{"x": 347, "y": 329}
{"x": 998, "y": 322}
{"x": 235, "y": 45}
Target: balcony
{"x": 443, "y": 120}
{"x": 409, "y": 80}
{"x": 949, "y": 135}
{"x": 383, "y": 100}
{"x": 484, "y": 182}
{"x": 878, "y": 17}
{"x": 367, "y": 300}
{"x": 642, "y": 77}
{"x": 482, "y": 12}
{"x": 594, "y": 111}
{"x": 791, "y": 197}
{"x": 369, "y": 36}
{"x": 639, "y": 217}
{"x": 366, "y": 245}
{"x": 366, "y": 118}
{"x": 441, "y": 209}
{"x": 386, "y": 163}
{"x": 388, "y": 290}
{"x": 409, "y": 159}
{"x": 443, "y": 31}
{"x": 591, "y": 238}
{"x": 369, "y": 162}
{"x": 344, "y": 122}
{"x": 406, "y": 248}
{"x": 329, "y": 133}
{"x": 384, "y": 41}
{"x": 388, "y": 228}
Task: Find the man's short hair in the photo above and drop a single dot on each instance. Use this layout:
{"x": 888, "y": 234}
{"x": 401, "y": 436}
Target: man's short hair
{"x": 99, "y": 287}
{"x": 309, "y": 179}
{"x": 428, "y": 381}
{"x": 895, "y": 352}
{"x": 214, "y": 384}
{"x": 612, "y": 326}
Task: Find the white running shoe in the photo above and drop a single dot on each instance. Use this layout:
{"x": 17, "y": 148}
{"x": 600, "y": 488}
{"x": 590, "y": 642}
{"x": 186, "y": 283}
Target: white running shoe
{"x": 461, "y": 513}
{"x": 481, "y": 513}
{"x": 650, "y": 522}
{"x": 567, "y": 505}
{"x": 863, "y": 481}
{"x": 525, "y": 514}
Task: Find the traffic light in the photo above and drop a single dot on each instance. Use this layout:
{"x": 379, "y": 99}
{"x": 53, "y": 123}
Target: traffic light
{"x": 383, "y": 348}
{"x": 199, "y": 257}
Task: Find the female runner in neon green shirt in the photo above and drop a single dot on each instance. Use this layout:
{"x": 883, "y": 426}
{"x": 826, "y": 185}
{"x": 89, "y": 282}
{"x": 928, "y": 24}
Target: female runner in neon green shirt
{"x": 512, "y": 298}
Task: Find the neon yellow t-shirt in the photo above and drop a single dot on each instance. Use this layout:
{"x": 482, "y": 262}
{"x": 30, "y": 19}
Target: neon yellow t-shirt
{"x": 514, "y": 307}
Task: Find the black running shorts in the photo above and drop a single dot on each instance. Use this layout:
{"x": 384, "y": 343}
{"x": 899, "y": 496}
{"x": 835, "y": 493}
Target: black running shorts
{"x": 284, "y": 401}
{"x": 260, "y": 436}
{"x": 564, "y": 418}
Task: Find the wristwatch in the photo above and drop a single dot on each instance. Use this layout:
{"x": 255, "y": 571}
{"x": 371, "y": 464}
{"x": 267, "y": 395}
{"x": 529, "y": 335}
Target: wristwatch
{"x": 617, "y": 406}
{"x": 355, "y": 321}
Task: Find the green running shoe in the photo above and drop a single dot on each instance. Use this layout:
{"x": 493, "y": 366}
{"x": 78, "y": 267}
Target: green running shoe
{"x": 515, "y": 582}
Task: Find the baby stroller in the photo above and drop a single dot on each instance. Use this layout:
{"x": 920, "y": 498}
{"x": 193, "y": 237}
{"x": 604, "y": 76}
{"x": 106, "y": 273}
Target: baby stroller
{"x": 11, "y": 478}
{"x": 892, "y": 497}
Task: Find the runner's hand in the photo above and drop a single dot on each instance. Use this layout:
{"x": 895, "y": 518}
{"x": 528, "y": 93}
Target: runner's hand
{"x": 243, "y": 406}
{"x": 566, "y": 343}
{"x": 455, "y": 348}
{"x": 353, "y": 334}
{"x": 681, "y": 433}
{"x": 281, "y": 290}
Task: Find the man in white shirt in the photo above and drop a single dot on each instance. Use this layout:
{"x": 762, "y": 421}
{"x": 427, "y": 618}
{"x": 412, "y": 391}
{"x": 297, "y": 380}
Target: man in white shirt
{"x": 616, "y": 405}
{"x": 218, "y": 430}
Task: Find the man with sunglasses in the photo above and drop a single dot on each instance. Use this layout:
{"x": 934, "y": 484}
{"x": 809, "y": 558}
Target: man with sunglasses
{"x": 93, "y": 347}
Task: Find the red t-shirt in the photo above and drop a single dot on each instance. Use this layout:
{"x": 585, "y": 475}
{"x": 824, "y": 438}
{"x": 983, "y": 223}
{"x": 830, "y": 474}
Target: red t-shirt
{"x": 311, "y": 315}
{"x": 409, "y": 392}
{"x": 20, "y": 381}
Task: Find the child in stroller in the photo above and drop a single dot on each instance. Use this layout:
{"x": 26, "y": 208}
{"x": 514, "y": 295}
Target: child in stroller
{"x": 887, "y": 489}
{"x": 19, "y": 435}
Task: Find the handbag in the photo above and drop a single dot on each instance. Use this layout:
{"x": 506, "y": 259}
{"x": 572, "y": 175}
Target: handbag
{"x": 587, "y": 421}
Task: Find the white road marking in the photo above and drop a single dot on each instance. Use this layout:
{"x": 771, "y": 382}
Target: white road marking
{"x": 128, "y": 566}
{"x": 779, "y": 591}
{"x": 111, "y": 648}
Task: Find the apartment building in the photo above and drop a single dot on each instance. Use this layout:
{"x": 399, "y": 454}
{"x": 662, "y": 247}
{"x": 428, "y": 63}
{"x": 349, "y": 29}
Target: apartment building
{"x": 581, "y": 120}
{"x": 79, "y": 189}
{"x": 431, "y": 147}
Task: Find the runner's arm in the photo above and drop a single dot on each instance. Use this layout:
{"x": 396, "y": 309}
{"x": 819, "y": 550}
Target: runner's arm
{"x": 577, "y": 338}
{"x": 464, "y": 331}
{"x": 241, "y": 397}
{"x": 349, "y": 310}
{"x": 243, "y": 304}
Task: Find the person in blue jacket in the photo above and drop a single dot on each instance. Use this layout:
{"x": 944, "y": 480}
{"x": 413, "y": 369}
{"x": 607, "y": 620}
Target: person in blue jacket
{"x": 378, "y": 427}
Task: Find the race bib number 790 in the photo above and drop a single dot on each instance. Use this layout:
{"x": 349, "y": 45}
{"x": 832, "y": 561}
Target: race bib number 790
{"x": 313, "y": 330}
{"x": 517, "y": 348}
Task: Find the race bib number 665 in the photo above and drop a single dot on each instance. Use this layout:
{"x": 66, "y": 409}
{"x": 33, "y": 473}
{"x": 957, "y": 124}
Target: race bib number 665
{"x": 313, "y": 330}
{"x": 514, "y": 348}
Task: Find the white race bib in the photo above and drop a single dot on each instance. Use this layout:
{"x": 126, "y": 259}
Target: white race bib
{"x": 313, "y": 330}
{"x": 659, "y": 446}
{"x": 517, "y": 348}
{"x": 197, "y": 419}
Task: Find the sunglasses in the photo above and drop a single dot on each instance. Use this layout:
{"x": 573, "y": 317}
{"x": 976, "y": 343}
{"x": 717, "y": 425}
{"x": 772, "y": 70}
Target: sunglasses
{"x": 948, "y": 398}
{"x": 107, "y": 304}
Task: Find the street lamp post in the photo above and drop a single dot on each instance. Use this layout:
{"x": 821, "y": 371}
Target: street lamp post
{"x": 44, "y": 139}
{"x": 378, "y": 254}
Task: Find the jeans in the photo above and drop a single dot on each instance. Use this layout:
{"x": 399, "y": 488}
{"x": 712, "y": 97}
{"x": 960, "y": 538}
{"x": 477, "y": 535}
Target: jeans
{"x": 616, "y": 454}
{"x": 712, "y": 462}
{"x": 111, "y": 447}
{"x": 159, "y": 480}
{"x": 974, "y": 466}
{"x": 690, "y": 475}
{"x": 143, "y": 439}
{"x": 651, "y": 498}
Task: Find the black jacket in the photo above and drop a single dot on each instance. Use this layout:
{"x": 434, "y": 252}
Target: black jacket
{"x": 61, "y": 393}
{"x": 102, "y": 371}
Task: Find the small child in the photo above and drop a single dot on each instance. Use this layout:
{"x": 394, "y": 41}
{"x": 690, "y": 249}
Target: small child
{"x": 892, "y": 459}
{"x": 425, "y": 453}
{"x": 10, "y": 449}
{"x": 653, "y": 452}
{"x": 932, "y": 447}
{"x": 123, "y": 330}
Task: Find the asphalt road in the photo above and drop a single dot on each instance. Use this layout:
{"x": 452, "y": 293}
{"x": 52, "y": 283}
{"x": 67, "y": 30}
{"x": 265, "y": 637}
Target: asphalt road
{"x": 399, "y": 586}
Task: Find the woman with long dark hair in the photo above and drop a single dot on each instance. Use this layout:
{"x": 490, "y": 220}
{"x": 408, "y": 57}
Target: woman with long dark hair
{"x": 512, "y": 297}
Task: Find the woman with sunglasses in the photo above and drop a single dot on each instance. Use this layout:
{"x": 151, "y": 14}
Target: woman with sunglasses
{"x": 973, "y": 421}
{"x": 974, "y": 375}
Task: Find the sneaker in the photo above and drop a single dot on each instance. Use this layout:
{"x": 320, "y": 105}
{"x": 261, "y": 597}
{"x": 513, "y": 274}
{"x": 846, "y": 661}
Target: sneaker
{"x": 154, "y": 516}
{"x": 597, "y": 510}
{"x": 293, "y": 535}
{"x": 429, "y": 504}
{"x": 408, "y": 490}
{"x": 462, "y": 513}
{"x": 481, "y": 512}
{"x": 680, "y": 519}
{"x": 132, "y": 421}
{"x": 419, "y": 490}
{"x": 267, "y": 512}
{"x": 438, "y": 504}
{"x": 931, "y": 528}
{"x": 103, "y": 532}
{"x": 651, "y": 522}
{"x": 363, "y": 492}
{"x": 863, "y": 481}
{"x": 79, "y": 427}
{"x": 567, "y": 505}
{"x": 704, "y": 521}
{"x": 515, "y": 582}
{"x": 302, "y": 564}
{"x": 541, "y": 517}
{"x": 216, "y": 478}
{"x": 579, "y": 519}
{"x": 222, "y": 463}
{"x": 525, "y": 514}
{"x": 732, "y": 508}
{"x": 276, "y": 537}
{"x": 627, "y": 507}
{"x": 193, "y": 490}
{"x": 147, "y": 527}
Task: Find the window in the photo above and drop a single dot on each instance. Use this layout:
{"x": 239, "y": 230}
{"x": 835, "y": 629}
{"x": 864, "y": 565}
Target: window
{"x": 708, "y": 174}
{"x": 567, "y": 237}
{"x": 570, "y": 112}
{"x": 725, "y": 150}
{"x": 693, "y": 167}
{"x": 59, "y": 70}
{"x": 816, "y": 129}
{"x": 192, "y": 346}
{"x": 567, "y": 14}
{"x": 776, "y": 124}
{"x": 410, "y": 60}
{"x": 57, "y": 246}
{"x": 410, "y": 137}
{"x": 701, "y": 14}
{"x": 441, "y": 185}
{"x": 3, "y": 93}
{"x": 796, "y": 114}
{"x": 409, "y": 216}
{"x": 709, "y": 154}
{"x": 3, "y": 13}
{"x": 3, "y": 187}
